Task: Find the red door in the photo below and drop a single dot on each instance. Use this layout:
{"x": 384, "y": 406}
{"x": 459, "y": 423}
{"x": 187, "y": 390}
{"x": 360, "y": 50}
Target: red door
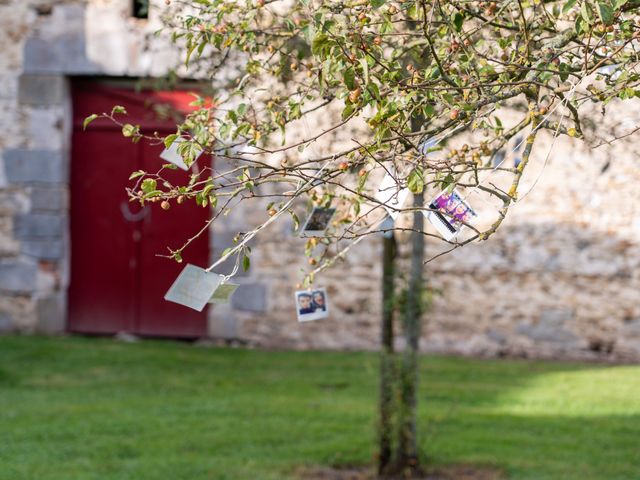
{"x": 117, "y": 281}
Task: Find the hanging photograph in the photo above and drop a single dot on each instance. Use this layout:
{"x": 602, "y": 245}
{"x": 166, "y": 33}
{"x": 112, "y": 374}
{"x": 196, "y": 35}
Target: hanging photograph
{"x": 449, "y": 213}
{"x": 318, "y": 221}
{"x": 194, "y": 287}
{"x": 391, "y": 196}
{"x": 312, "y": 304}
{"x": 172, "y": 154}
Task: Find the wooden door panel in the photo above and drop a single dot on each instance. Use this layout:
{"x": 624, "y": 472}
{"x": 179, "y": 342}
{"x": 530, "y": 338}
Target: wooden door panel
{"x": 162, "y": 229}
{"x": 102, "y": 289}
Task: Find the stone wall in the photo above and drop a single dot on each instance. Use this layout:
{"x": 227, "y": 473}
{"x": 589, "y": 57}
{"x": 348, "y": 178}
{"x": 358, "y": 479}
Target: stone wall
{"x": 560, "y": 279}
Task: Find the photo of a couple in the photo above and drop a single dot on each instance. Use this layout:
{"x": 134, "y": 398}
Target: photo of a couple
{"x": 311, "y": 304}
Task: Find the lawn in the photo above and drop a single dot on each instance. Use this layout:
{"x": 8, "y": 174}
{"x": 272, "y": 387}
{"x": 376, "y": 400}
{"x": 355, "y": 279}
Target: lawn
{"x": 79, "y": 409}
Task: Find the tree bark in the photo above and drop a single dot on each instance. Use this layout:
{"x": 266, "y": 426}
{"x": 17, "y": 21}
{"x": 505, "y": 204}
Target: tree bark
{"x": 387, "y": 384}
{"x": 407, "y": 455}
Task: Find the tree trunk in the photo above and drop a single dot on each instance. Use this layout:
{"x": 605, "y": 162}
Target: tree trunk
{"x": 387, "y": 384}
{"x": 407, "y": 455}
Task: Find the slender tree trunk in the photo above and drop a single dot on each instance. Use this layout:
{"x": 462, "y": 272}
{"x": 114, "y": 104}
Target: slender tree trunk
{"x": 407, "y": 457}
{"x": 387, "y": 384}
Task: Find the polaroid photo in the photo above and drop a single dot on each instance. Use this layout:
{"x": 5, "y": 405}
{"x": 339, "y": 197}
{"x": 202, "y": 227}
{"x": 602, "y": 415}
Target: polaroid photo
{"x": 391, "y": 195}
{"x": 449, "y": 213}
{"x": 223, "y": 293}
{"x": 172, "y": 154}
{"x": 194, "y": 287}
{"x": 318, "y": 221}
{"x": 312, "y": 304}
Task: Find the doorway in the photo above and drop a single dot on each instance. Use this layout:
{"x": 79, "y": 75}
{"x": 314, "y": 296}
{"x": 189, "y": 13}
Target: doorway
{"x": 117, "y": 281}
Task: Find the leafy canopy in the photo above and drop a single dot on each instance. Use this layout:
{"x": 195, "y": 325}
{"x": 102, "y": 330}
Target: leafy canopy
{"x": 377, "y": 80}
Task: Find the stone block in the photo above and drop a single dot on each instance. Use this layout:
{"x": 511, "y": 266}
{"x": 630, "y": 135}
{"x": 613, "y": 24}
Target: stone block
{"x": 556, "y": 316}
{"x": 222, "y": 323}
{"x": 6, "y": 323}
{"x": 496, "y": 336}
{"x": 18, "y": 276}
{"x": 75, "y": 60}
{"x": 250, "y": 297}
{"x": 50, "y": 312}
{"x": 39, "y": 226}
{"x": 41, "y": 90}
{"x": 64, "y": 53}
{"x": 42, "y": 56}
{"x": 48, "y": 199}
{"x": 44, "y": 128}
{"x": 34, "y": 166}
{"x": 49, "y": 249}
{"x": 546, "y": 332}
{"x": 222, "y": 240}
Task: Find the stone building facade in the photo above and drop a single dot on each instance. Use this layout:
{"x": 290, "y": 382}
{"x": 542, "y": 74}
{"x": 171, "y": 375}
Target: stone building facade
{"x": 562, "y": 277}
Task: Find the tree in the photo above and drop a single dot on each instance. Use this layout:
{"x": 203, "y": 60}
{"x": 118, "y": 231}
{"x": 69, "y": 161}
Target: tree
{"x": 469, "y": 76}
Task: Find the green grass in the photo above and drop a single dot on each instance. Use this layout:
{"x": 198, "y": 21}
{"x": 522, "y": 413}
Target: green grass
{"x": 77, "y": 408}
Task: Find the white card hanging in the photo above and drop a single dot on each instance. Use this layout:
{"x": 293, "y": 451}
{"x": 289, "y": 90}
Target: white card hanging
{"x": 172, "y": 154}
{"x": 317, "y": 222}
{"x": 223, "y": 293}
{"x": 194, "y": 287}
{"x": 311, "y": 304}
{"x": 391, "y": 196}
{"x": 449, "y": 213}
{"x": 386, "y": 227}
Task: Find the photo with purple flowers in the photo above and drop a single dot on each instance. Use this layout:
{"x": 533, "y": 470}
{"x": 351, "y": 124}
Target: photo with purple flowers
{"x": 449, "y": 213}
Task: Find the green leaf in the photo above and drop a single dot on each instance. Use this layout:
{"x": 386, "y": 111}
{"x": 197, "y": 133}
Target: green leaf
{"x": 618, "y": 3}
{"x": 296, "y": 220}
{"x": 320, "y": 42}
{"x": 348, "y": 110}
{"x": 415, "y": 181}
{"x": 377, "y": 3}
{"x": 129, "y": 130}
{"x": 448, "y": 181}
{"x": 373, "y": 88}
{"x": 568, "y": 6}
{"x": 246, "y": 263}
{"x": 88, "y": 120}
{"x": 169, "y": 139}
{"x": 365, "y": 69}
{"x": 148, "y": 185}
{"x": 118, "y": 109}
{"x": 350, "y": 78}
{"x": 207, "y": 190}
{"x": 605, "y": 12}
{"x": 428, "y": 110}
{"x": 587, "y": 14}
{"x": 137, "y": 174}
{"x": 457, "y": 19}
